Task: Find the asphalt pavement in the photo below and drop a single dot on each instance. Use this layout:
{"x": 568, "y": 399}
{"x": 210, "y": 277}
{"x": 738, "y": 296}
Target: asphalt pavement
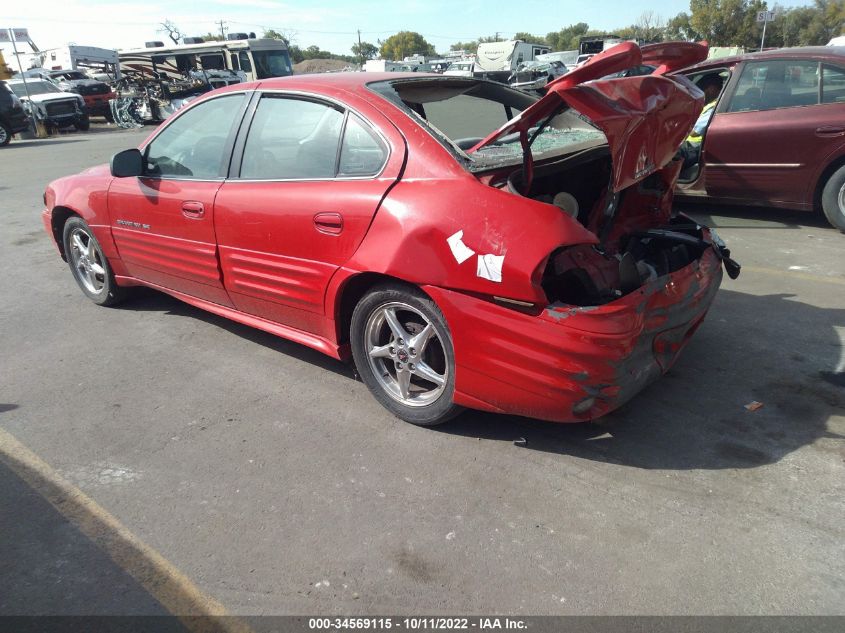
{"x": 266, "y": 475}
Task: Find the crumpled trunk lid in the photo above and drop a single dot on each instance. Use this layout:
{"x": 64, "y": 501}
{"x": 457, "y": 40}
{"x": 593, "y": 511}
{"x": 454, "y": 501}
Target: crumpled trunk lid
{"x": 645, "y": 118}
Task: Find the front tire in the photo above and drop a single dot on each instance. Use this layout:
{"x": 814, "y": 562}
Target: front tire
{"x": 833, "y": 199}
{"x": 89, "y": 266}
{"x": 403, "y": 351}
{"x": 83, "y": 124}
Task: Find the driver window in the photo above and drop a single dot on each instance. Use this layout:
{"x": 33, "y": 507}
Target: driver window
{"x": 774, "y": 84}
{"x": 292, "y": 139}
{"x": 193, "y": 145}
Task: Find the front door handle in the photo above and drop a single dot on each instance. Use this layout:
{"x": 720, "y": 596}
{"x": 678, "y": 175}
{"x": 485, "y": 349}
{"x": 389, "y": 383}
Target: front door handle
{"x": 830, "y": 130}
{"x": 329, "y": 223}
{"x": 193, "y": 209}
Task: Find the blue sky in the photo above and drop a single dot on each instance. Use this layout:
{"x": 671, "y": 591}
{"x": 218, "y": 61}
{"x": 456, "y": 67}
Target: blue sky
{"x": 331, "y": 25}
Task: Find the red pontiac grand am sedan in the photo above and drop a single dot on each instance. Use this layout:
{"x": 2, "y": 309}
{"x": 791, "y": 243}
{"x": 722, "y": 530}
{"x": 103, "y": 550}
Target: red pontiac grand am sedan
{"x": 777, "y": 135}
{"x": 536, "y": 269}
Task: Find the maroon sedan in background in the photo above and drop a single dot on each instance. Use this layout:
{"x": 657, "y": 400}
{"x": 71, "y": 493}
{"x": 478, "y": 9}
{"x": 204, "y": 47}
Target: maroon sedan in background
{"x": 777, "y": 136}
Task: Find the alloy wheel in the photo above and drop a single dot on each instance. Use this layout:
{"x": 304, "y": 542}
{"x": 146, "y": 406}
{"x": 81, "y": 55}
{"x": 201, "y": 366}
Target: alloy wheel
{"x": 405, "y": 354}
{"x": 87, "y": 261}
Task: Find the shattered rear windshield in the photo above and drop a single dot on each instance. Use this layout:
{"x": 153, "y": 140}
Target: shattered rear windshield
{"x": 460, "y": 112}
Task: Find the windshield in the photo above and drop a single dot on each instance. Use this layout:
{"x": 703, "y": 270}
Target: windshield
{"x": 73, "y": 76}
{"x": 460, "y": 112}
{"x": 271, "y": 64}
{"x": 36, "y": 87}
{"x": 566, "y": 132}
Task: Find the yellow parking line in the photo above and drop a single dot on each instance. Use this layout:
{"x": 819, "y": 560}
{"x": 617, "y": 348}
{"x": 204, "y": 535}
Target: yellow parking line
{"x": 173, "y": 589}
{"x": 794, "y": 273}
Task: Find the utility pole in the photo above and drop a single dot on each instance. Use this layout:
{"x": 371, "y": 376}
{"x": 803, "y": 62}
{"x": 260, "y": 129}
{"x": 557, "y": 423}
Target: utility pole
{"x": 222, "y": 30}
{"x": 765, "y": 17}
{"x": 360, "y": 52}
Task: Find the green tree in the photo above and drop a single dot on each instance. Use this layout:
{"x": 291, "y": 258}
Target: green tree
{"x": 826, "y": 22}
{"x": 727, "y": 22}
{"x": 404, "y": 44}
{"x": 530, "y": 38}
{"x": 365, "y": 50}
{"x": 649, "y": 27}
{"x": 680, "y": 29}
{"x": 567, "y": 38}
{"x": 464, "y": 46}
{"x": 296, "y": 54}
{"x": 286, "y": 37}
{"x": 212, "y": 37}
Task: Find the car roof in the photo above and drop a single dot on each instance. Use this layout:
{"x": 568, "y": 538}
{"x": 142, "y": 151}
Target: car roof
{"x": 819, "y": 53}
{"x": 352, "y": 81}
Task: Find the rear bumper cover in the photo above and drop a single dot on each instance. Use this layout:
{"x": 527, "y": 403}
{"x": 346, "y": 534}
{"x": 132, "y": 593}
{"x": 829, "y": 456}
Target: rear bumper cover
{"x": 571, "y": 364}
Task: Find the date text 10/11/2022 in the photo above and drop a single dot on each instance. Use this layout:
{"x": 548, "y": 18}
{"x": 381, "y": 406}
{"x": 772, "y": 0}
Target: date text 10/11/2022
{"x": 417, "y": 624}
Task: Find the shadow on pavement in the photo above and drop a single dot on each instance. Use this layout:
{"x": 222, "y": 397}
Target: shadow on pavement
{"x": 770, "y": 349}
{"x": 146, "y": 299}
{"x": 51, "y": 568}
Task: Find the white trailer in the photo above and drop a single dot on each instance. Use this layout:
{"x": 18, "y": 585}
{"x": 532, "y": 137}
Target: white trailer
{"x": 385, "y": 66}
{"x": 89, "y": 59}
{"x": 497, "y": 57}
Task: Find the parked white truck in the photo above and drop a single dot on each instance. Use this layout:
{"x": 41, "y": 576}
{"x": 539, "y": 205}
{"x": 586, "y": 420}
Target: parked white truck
{"x": 497, "y": 60}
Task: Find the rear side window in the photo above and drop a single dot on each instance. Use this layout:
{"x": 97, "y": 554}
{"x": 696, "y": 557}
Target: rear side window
{"x": 833, "y": 84}
{"x": 362, "y": 153}
{"x": 776, "y": 84}
{"x": 292, "y": 139}
{"x": 300, "y": 139}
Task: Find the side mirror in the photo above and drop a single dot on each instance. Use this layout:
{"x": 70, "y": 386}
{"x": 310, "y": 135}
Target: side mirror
{"x": 129, "y": 162}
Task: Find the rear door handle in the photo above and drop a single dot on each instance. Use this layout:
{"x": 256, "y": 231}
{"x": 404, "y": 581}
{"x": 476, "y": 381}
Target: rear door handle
{"x": 329, "y": 223}
{"x": 830, "y": 130}
{"x": 192, "y": 209}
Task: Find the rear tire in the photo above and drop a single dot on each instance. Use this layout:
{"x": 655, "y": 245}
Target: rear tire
{"x": 403, "y": 352}
{"x": 5, "y": 134}
{"x": 89, "y": 266}
{"x": 833, "y": 199}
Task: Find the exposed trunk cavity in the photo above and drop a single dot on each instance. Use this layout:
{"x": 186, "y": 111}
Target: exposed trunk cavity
{"x": 639, "y": 241}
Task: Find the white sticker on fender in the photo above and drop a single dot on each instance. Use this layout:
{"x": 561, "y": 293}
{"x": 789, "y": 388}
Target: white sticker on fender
{"x": 461, "y": 251}
{"x": 490, "y": 267}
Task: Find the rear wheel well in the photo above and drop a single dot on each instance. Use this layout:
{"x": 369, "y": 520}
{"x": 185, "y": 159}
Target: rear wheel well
{"x": 58, "y": 218}
{"x": 827, "y": 173}
{"x": 351, "y": 293}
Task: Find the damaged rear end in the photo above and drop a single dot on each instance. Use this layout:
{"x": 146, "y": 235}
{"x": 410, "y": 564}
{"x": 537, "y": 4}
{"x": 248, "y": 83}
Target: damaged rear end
{"x": 619, "y": 308}
{"x": 598, "y": 285}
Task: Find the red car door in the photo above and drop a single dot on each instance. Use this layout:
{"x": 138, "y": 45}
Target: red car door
{"x": 308, "y": 180}
{"x": 163, "y": 221}
{"x": 764, "y": 143}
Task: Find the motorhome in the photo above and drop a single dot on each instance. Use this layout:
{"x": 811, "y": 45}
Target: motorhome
{"x": 249, "y": 58}
{"x": 497, "y": 60}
